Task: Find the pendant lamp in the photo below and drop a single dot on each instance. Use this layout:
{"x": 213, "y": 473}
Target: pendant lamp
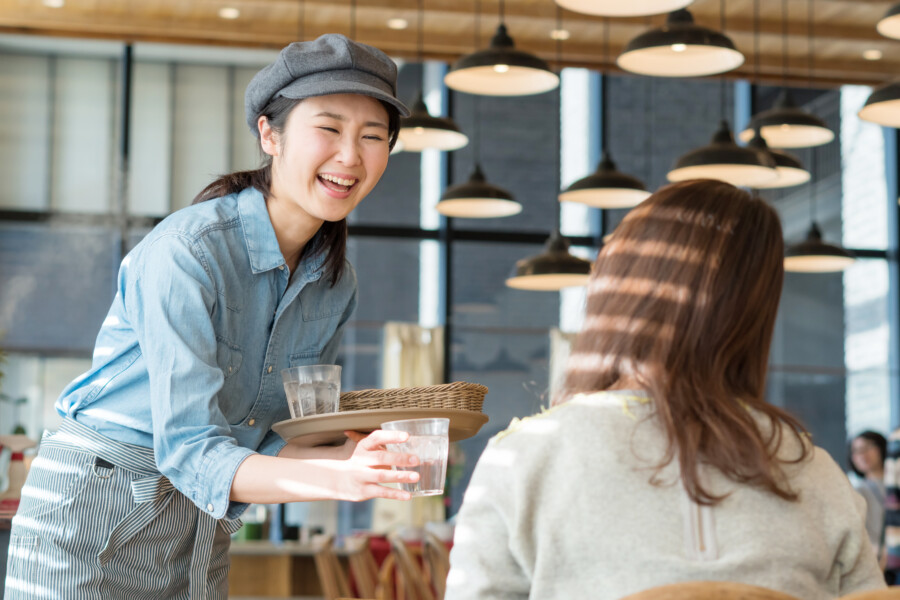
{"x": 883, "y": 105}
{"x": 724, "y": 160}
{"x": 501, "y": 70}
{"x": 786, "y": 125}
{"x": 814, "y": 255}
{"x": 889, "y": 25}
{"x": 420, "y": 131}
{"x": 621, "y": 8}
{"x": 606, "y": 187}
{"x": 789, "y": 170}
{"x": 554, "y": 268}
{"x": 551, "y": 270}
{"x": 477, "y": 199}
{"x": 680, "y": 48}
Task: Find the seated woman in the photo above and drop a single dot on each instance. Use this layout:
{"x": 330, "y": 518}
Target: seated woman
{"x": 867, "y": 453}
{"x": 661, "y": 461}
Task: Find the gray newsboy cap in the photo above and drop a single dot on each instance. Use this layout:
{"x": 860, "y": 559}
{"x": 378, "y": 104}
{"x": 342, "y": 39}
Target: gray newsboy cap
{"x": 331, "y": 64}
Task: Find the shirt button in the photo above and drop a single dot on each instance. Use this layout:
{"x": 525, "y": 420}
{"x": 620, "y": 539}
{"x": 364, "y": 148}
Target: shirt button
{"x": 251, "y": 422}
{"x": 209, "y": 507}
{"x": 281, "y": 267}
{"x": 269, "y": 370}
{"x": 230, "y": 369}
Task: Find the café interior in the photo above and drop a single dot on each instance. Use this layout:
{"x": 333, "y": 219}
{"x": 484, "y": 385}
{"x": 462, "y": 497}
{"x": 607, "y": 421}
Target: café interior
{"x": 473, "y": 250}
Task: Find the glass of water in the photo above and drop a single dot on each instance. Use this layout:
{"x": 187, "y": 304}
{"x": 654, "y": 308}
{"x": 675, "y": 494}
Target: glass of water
{"x": 429, "y": 440}
{"x": 312, "y": 389}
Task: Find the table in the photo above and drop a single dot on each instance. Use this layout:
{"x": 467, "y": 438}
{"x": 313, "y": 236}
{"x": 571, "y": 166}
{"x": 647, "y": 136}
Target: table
{"x": 262, "y": 568}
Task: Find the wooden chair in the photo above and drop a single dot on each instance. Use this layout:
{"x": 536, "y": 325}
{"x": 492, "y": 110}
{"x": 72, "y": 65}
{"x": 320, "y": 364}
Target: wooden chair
{"x": 710, "y": 590}
{"x": 437, "y": 563}
{"x": 362, "y": 566}
{"x": 411, "y": 583}
{"x": 332, "y": 577}
{"x": 891, "y": 593}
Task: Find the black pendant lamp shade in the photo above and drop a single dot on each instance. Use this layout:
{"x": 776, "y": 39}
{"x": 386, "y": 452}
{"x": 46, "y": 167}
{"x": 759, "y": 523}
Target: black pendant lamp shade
{"x": 787, "y": 126}
{"x": 501, "y": 70}
{"x": 680, "y": 48}
{"x": 623, "y": 8}
{"x": 883, "y": 105}
{"x": 889, "y": 25}
{"x": 420, "y": 131}
{"x": 789, "y": 170}
{"x": 477, "y": 199}
{"x": 725, "y": 161}
{"x": 813, "y": 255}
{"x": 606, "y": 187}
{"x": 551, "y": 270}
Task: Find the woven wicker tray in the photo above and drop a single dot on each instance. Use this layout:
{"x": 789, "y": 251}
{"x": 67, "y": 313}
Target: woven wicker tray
{"x": 459, "y": 395}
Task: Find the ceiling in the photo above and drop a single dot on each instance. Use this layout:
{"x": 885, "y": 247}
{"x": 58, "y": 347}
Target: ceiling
{"x": 843, "y": 30}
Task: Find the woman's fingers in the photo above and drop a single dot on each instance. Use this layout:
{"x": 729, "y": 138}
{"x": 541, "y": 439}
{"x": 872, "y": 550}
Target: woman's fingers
{"x": 380, "y": 437}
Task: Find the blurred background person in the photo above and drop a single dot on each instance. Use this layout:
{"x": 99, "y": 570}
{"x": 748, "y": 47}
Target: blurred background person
{"x": 867, "y": 453}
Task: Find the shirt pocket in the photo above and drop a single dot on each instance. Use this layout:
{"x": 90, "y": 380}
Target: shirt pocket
{"x": 228, "y": 356}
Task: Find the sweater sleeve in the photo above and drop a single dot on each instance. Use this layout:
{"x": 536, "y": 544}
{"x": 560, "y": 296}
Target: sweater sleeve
{"x": 481, "y": 562}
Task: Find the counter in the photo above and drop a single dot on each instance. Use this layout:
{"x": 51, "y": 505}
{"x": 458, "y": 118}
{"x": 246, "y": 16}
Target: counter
{"x": 261, "y": 568}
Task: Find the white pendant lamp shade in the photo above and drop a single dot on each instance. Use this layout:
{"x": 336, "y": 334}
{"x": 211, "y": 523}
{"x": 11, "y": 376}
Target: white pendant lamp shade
{"x": 813, "y": 255}
{"x": 420, "y": 131}
{"x": 551, "y": 270}
{"x": 883, "y": 106}
{"x": 501, "y": 70}
{"x": 889, "y": 25}
{"x": 623, "y": 8}
{"x": 787, "y": 126}
{"x": 477, "y": 199}
{"x": 606, "y": 188}
{"x": 680, "y": 48}
{"x": 725, "y": 161}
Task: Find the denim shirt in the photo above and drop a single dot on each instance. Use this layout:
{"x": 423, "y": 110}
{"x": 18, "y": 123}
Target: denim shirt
{"x": 188, "y": 361}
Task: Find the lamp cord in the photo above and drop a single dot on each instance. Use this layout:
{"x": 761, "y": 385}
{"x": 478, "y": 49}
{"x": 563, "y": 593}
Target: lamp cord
{"x": 477, "y": 30}
{"x": 301, "y": 20}
{"x": 809, "y": 48}
{"x": 502, "y": 13}
{"x": 813, "y": 184}
{"x": 352, "y": 19}
{"x": 722, "y": 108}
{"x": 784, "y": 42}
{"x": 648, "y": 115}
{"x": 476, "y": 124}
{"x": 604, "y": 91}
{"x": 756, "y": 42}
{"x": 419, "y": 31}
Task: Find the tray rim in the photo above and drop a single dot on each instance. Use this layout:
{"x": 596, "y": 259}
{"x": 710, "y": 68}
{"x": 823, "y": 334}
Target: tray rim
{"x": 478, "y": 418}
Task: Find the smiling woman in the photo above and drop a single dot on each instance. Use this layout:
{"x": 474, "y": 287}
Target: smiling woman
{"x": 168, "y": 436}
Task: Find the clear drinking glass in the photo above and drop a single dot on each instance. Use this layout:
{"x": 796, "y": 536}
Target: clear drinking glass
{"x": 429, "y": 440}
{"x": 312, "y": 389}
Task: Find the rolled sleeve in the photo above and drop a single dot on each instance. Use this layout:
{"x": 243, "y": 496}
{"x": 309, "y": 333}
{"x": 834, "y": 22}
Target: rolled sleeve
{"x": 171, "y": 296}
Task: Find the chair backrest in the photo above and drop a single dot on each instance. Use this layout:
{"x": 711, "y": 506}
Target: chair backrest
{"x": 437, "y": 563}
{"x": 892, "y": 593}
{"x": 412, "y": 582}
{"x": 332, "y": 577}
{"x": 709, "y": 590}
{"x": 387, "y": 580}
{"x": 362, "y": 566}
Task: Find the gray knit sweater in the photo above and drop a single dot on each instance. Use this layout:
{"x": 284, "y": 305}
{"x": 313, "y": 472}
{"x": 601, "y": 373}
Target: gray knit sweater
{"x": 560, "y": 506}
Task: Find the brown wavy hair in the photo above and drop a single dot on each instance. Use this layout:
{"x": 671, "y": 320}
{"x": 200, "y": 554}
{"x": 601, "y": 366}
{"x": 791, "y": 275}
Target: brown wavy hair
{"x": 682, "y": 301}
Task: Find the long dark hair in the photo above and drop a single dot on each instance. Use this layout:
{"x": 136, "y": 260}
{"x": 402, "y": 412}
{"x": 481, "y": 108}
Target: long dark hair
{"x": 683, "y": 300}
{"x": 874, "y": 437}
{"x": 332, "y": 236}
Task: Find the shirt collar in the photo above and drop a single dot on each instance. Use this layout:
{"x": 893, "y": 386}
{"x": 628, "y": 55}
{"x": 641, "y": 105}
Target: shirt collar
{"x": 259, "y": 236}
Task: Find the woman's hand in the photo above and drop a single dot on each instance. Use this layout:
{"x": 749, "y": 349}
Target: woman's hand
{"x": 368, "y": 452}
{"x": 354, "y": 471}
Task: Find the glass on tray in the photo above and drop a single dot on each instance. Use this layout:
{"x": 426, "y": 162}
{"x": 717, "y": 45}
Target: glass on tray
{"x": 429, "y": 440}
{"x": 312, "y": 389}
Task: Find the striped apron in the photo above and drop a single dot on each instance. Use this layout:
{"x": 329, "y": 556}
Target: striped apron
{"x": 98, "y": 521}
